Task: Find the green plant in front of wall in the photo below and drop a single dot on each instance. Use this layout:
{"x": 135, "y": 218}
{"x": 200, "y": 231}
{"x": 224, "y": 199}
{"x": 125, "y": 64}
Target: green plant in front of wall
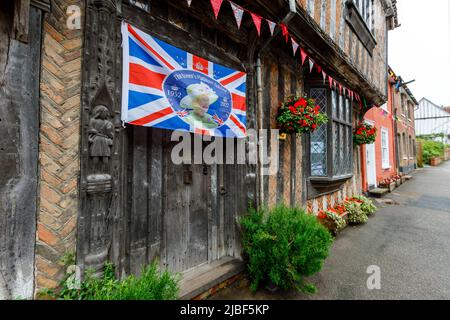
{"x": 432, "y": 149}
{"x": 332, "y": 220}
{"x": 364, "y": 134}
{"x": 354, "y": 212}
{"x": 367, "y": 205}
{"x": 152, "y": 284}
{"x": 283, "y": 246}
{"x": 300, "y": 115}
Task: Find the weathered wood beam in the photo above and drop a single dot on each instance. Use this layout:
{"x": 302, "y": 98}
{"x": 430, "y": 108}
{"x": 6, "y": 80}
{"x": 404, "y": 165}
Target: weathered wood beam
{"x": 44, "y": 5}
{"x": 21, "y": 20}
{"x": 331, "y": 57}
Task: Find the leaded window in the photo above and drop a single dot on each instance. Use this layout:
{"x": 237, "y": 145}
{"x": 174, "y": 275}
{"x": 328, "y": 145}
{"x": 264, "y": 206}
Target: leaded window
{"x": 319, "y": 137}
{"x": 331, "y": 145}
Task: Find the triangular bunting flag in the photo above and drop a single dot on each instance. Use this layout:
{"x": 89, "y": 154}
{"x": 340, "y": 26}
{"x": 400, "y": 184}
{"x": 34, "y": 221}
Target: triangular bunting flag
{"x": 216, "y": 4}
{"x": 272, "y": 26}
{"x": 284, "y": 31}
{"x": 304, "y": 55}
{"x": 257, "y": 21}
{"x": 340, "y": 89}
{"x": 345, "y": 91}
{"x": 311, "y": 65}
{"x": 319, "y": 69}
{"x": 330, "y": 80}
{"x": 238, "y": 12}
{"x": 189, "y": 2}
{"x": 324, "y": 75}
{"x": 294, "y": 45}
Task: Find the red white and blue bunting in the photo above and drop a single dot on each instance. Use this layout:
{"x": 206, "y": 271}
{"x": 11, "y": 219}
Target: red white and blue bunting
{"x": 238, "y": 12}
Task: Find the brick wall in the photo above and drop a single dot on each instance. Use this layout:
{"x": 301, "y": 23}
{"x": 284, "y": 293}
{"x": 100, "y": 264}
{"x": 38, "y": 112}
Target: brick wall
{"x": 59, "y": 144}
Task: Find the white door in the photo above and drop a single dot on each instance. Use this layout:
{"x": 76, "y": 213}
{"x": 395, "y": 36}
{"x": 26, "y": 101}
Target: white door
{"x": 371, "y": 166}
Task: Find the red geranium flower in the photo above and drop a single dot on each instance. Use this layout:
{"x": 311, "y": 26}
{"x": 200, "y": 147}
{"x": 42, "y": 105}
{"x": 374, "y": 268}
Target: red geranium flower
{"x": 301, "y": 102}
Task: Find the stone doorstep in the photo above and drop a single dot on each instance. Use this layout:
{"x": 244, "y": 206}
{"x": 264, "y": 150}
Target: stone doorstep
{"x": 378, "y": 192}
{"x": 196, "y": 281}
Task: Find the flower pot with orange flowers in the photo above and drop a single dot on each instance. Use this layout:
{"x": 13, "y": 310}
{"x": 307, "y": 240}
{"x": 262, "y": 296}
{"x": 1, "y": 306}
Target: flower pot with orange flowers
{"x": 300, "y": 115}
{"x": 364, "y": 134}
{"x": 332, "y": 220}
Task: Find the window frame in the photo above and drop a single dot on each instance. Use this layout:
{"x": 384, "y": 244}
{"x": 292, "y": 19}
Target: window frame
{"x": 362, "y": 25}
{"x": 385, "y": 163}
{"x": 365, "y": 9}
{"x": 322, "y": 185}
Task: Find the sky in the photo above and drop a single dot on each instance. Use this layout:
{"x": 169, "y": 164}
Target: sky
{"x": 420, "y": 48}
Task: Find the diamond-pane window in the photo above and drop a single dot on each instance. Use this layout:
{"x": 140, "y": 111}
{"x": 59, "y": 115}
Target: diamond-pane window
{"x": 319, "y": 137}
{"x": 337, "y": 149}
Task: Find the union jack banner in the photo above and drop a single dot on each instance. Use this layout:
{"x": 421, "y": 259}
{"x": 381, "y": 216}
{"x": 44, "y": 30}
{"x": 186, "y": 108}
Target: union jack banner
{"x": 166, "y": 87}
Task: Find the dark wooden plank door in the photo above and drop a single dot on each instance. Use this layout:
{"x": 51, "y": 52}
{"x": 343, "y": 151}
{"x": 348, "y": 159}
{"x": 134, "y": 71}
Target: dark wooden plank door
{"x": 186, "y": 214}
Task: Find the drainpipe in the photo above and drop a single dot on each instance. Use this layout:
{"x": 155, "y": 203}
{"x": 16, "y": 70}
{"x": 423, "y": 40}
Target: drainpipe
{"x": 259, "y": 93}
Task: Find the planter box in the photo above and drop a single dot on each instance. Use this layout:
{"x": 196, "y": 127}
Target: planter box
{"x": 331, "y": 226}
{"x": 434, "y": 162}
{"x": 404, "y": 179}
{"x": 391, "y": 187}
{"x": 398, "y": 183}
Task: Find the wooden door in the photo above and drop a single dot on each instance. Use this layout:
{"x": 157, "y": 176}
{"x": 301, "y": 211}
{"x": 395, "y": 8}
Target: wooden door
{"x": 186, "y": 214}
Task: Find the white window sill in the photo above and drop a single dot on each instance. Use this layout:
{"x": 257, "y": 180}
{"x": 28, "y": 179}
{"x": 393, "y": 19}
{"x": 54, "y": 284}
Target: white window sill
{"x": 386, "y": 167}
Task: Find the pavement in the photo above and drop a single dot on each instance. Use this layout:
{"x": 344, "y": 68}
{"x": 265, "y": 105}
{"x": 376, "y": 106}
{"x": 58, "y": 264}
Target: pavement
{"x": 409, "y": 241}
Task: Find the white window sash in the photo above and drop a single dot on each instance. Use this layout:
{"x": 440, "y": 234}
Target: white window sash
{"x": 385, "y": 149}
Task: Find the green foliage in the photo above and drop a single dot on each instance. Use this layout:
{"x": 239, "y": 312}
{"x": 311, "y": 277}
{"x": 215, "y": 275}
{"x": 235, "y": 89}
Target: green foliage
{"x": 283, "y": 246}
{"x": 355, "y": 213}
{"x": 433, "y": 136}
{"x": 300, "y": 115}
{"x": 432, "y": 149}
{"x": 68, "y": 258}
{"x": 367, "y": 205}
{"x": 332, "y": 220}
{"x": 150, "y": 285}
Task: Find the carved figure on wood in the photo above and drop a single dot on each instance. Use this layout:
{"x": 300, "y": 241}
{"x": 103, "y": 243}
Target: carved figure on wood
{"x": 101, "y": 135}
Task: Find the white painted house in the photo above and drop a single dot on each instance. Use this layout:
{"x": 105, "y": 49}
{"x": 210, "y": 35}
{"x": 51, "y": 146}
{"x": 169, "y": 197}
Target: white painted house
{"x": 431, "y": 118}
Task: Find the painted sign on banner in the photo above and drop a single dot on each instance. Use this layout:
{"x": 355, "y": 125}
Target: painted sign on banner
{"x": 166, "y": 87}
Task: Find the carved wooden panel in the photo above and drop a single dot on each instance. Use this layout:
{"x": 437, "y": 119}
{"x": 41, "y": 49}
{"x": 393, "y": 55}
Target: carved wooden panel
{"x": 100, "y": 141}
{"x": 136, "y": 204}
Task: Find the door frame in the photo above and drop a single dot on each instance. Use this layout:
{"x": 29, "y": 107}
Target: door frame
{"x": 371, "y": 158}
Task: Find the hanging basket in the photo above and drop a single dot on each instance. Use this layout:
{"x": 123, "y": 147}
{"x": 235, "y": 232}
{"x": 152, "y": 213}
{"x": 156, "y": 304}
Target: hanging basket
{"x": 364, "y": 134}
{"x": 300, "y": 115}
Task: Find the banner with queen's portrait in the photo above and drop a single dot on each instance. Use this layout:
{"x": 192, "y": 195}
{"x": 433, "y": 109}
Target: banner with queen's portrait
{"x": 166, "y": 87}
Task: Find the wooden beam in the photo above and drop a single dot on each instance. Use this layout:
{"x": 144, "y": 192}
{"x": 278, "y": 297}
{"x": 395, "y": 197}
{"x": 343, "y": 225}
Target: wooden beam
{"x": 21, "y": 20}
{"x": 44, "y": 5}
{"x": 325, "y": 52}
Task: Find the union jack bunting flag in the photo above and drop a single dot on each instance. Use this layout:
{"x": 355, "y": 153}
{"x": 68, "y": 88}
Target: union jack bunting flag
{"x": 166, "y": 87}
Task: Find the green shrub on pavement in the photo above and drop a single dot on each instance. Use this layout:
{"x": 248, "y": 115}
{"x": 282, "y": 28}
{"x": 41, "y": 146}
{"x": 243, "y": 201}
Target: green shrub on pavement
{"x": 355, "y": 214}
{"x": 367, "y": 205}
{"x": 150, "y": 285}
{"x": 283, "y": 246}
{"x": 432, "y": 149}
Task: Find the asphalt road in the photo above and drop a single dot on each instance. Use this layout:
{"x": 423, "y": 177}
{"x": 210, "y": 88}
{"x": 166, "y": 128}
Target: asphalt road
{"x": 409, "y": 241}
